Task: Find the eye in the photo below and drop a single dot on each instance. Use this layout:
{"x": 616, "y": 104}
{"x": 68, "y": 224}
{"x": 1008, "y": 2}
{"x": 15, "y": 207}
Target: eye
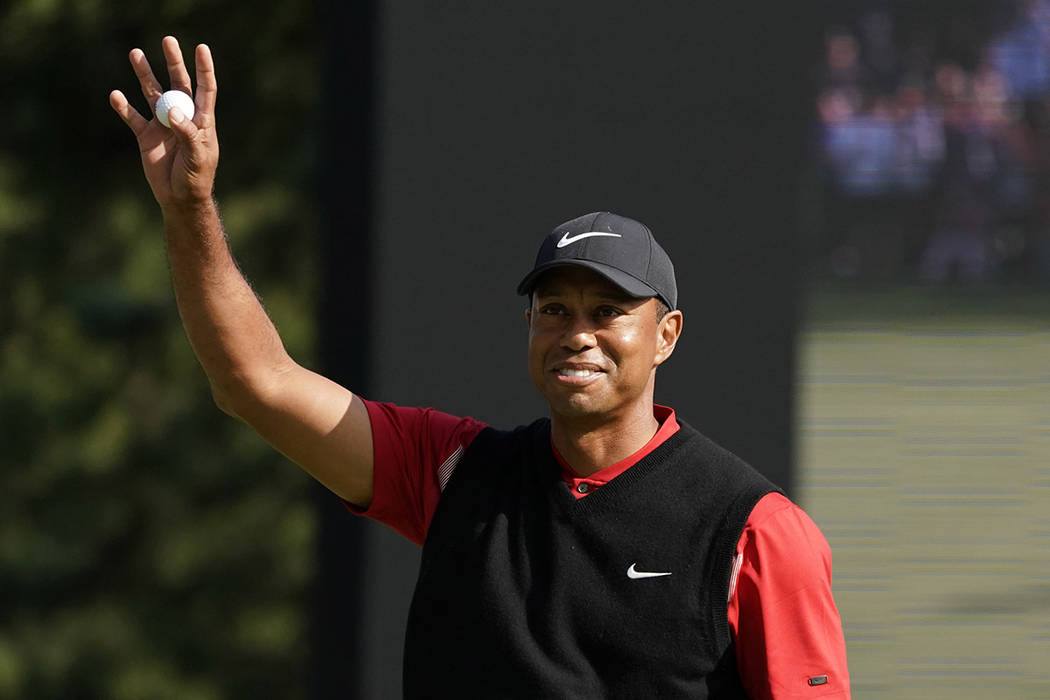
{"x": 607, "y": 312}
{"x": 552, "y": 309}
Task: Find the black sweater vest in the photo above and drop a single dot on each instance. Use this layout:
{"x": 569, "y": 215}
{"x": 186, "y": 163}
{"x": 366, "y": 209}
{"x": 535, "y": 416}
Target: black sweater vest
{"x": 524, "y": 591}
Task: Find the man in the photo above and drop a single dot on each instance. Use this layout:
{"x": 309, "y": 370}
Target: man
{"x": 608, "y": 551}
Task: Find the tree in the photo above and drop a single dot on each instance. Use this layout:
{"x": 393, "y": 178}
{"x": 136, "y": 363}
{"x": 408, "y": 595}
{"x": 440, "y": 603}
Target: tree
{"x": 149, "y": 545}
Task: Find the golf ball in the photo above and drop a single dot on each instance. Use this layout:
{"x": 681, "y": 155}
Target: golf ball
{"x": 173, "y": 98}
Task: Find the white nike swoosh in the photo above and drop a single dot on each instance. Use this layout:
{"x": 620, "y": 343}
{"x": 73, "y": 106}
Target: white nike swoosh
{"x": 634, "y": 573}
{"x": 567, "y": 239}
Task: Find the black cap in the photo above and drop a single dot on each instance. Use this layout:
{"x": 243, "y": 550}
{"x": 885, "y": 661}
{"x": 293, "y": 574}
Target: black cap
{"x": 620, "y": 249}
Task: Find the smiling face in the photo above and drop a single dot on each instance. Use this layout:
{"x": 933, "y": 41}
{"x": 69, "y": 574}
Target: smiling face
{"x": 593, "y": 351}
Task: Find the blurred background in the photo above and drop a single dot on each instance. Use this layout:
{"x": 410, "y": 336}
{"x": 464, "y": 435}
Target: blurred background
{"x": 857, "y": 199}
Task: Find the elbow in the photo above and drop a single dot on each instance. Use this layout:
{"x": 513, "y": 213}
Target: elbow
{"x": 234, "y": 393}
{"x": 225, "y": 400}
{"x": 243, "y": 394}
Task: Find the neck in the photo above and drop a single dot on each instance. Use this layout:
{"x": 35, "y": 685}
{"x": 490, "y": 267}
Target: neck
{"x": 589, "y": 444}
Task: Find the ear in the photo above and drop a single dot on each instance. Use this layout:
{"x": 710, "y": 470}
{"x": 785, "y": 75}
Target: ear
{"x": 668, "y": 331}
{"x": 528, "y": 317}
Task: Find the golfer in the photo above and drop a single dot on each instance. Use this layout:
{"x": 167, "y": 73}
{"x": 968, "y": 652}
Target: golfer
{"x": 606, "y": 550}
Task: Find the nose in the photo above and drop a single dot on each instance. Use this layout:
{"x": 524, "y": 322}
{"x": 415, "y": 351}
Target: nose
{"x": 579, "y": 334}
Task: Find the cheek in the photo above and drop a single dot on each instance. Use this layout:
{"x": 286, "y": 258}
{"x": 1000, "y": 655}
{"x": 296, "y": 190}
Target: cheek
{"x": 536, "y": 350}
{"x": 631, "y": 338}
{"x": 633, "y": 350}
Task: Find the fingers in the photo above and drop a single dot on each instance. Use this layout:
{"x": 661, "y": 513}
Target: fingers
{"x": 128, "y": 113}
{"x": 179, "y": 76}
{"x": 151, "y": 89}
{"x": 207, "y": 87}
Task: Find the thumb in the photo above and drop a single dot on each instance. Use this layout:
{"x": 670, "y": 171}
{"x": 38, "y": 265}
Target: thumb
{"x": 184, "y": 128}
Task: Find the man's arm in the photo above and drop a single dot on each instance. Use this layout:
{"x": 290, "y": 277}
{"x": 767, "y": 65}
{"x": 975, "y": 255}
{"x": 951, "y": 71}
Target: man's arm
{"x": 318, "y": 424}
{"x": 788, "y": 634}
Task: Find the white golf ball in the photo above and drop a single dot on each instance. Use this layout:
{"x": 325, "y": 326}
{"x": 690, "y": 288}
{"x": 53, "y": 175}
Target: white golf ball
{"x": 173, "y": 98}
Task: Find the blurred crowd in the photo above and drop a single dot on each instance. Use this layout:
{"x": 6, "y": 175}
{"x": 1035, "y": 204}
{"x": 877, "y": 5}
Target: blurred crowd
{"x": 935, "y": 168}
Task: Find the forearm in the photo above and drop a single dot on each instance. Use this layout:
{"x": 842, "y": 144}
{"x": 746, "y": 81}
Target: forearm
{"x": 316, "y": 422}
{"x": 233, "y": 338}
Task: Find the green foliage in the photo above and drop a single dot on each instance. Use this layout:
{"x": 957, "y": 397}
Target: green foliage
{"x": 150, "y": 546}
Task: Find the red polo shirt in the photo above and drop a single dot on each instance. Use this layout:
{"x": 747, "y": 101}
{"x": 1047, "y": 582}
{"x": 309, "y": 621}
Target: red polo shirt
{"x": 786, "y": 628}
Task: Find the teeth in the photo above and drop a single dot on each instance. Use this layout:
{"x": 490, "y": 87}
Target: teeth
{"x": 575, "y": 372}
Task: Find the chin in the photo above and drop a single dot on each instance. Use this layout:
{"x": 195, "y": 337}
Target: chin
{"x": 576, "y": 406}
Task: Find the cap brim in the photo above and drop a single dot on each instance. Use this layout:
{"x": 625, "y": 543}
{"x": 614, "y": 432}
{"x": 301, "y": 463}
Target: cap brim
{"x": 628, "y": 283}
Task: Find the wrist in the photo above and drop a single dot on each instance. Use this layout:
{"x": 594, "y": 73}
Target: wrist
{"x": 188, "y": 210}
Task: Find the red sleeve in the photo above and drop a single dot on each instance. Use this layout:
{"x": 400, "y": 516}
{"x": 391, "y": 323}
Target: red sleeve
{"x": 409, "y": 447}
{"x": 782, "y": 615}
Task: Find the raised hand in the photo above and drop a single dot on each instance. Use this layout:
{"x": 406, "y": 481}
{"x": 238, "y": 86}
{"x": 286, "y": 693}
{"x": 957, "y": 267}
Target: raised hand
{"x": 179, "y": 162}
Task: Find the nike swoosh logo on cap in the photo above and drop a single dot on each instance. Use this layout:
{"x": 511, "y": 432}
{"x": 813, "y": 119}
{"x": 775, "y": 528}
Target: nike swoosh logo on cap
{"x": 568, "y": 240}
{"x": 634, "y": 573}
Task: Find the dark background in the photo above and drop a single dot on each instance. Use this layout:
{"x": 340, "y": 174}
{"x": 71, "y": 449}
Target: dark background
{"x": 494, "y": 124}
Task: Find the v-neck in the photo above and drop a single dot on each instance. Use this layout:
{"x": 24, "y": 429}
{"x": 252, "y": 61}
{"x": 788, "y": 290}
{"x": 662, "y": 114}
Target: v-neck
{"x": 615, "y": 489}
{"x": 584, "y": 486}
